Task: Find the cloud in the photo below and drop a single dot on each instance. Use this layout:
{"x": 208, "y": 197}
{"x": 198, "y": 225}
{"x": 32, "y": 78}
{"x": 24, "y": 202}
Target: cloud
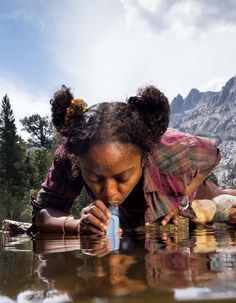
{"x": 214, "y": 85}
{"x": 23, "y": 102}
{"x": 108, "y": 49}
{"x": 185, "y": 17}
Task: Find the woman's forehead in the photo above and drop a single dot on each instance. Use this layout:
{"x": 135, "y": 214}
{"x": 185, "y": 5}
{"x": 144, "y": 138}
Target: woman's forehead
{"x": 110, "y": 156}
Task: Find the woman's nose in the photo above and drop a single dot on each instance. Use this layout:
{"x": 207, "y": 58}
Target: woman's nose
{"x": 110, "y": 191}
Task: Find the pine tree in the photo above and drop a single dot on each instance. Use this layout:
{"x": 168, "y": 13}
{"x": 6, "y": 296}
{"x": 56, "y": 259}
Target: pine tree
{"x": 11, "y": 164}
{"x": 40, "y": 130}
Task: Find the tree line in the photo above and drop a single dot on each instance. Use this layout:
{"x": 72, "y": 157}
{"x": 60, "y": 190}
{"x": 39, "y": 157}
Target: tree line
{"x": 23, "y": 164}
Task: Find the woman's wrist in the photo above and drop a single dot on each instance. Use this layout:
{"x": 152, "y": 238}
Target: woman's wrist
{"x": 71, "y": 225}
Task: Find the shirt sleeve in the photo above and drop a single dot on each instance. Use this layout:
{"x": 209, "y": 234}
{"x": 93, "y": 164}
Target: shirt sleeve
{"x": 178, "y": 157}
{"x": 60, "y": 188}
{"x": 185, "y": 154}
{"x": 203, "y": 154}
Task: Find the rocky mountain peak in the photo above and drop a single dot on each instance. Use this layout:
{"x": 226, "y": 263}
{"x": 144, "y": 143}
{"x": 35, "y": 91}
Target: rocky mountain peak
{"x": 177, "y": 104}
{"x": 231, "y": 83}
{"x": 192, "y": 99}
{"x": 213, "y": 115}
{"x": 228, "y": 92}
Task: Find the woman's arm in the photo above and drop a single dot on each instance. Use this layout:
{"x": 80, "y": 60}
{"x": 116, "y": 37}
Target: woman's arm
{"x": 193, "y": 159}
{"x": 94, "y": 219}
{"x": 197, "y": 180}
{"x": 52, "y": 220}
{"x": 52, "y": 205}
{"x": 203, "y": 156}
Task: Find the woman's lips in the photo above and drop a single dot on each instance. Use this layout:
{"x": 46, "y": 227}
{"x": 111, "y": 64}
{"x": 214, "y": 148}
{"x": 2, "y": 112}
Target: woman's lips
{"x": 115, "y": 202}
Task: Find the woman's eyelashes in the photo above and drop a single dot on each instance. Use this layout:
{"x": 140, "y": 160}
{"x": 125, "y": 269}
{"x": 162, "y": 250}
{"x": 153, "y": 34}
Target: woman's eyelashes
{"x": 122, "y": 179}
{"x": 95, "y": 180}
{"x": 118, "y": 179}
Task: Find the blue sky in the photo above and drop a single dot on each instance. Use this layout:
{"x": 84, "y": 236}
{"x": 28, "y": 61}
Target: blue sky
{"x": 106, "y": 49}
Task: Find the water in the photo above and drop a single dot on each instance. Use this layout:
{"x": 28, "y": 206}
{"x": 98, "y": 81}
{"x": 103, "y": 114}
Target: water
{"x": 147, "y": 267}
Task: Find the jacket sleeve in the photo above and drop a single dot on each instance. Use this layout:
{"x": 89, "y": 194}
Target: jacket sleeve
{"x": 60, "y": 188}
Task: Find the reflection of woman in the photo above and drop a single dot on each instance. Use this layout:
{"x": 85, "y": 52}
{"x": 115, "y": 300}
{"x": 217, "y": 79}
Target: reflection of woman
{"x": 121, "y": 153}
{"x": 88, "y": 276}
{"x": 168, "y": 269}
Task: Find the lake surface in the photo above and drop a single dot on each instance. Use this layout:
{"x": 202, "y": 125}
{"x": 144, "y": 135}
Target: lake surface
{"x": 139, "y": 267}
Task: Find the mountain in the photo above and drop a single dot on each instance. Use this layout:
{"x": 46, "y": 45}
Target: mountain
{"x": 211, "y": 114}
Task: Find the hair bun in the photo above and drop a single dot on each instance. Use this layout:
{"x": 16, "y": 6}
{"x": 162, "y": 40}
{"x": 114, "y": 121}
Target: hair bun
{"x": 153, "y": 108}
{"x": 59, "y": 103}
{"x": 133, "y": 101}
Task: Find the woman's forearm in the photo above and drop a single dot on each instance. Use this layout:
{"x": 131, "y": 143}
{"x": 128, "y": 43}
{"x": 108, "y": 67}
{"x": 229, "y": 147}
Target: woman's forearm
{"x": 50, "y": 220}
{"x": 197, "y": 181}
{"x": 191, "y": 188}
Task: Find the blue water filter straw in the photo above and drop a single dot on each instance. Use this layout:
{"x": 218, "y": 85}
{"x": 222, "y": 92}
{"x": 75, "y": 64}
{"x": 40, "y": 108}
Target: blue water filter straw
{"x": 113, "y": 228}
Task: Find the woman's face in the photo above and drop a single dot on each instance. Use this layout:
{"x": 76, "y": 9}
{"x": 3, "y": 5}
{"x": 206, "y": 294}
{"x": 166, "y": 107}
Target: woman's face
{"x": 111, "y": 170}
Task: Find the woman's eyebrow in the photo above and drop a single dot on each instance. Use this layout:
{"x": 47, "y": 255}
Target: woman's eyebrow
{"x": 115, "y": 176}
{"x": 123, "y": 172}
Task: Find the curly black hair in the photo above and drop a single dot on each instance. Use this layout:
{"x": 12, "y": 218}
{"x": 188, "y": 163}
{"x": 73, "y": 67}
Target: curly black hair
{"x": 140, "y": 121}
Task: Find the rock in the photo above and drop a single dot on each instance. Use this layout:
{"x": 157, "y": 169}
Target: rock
{"x": 226, "y": 209}
{"x": 205, "y": 210}
{"x": 15, "y": 227}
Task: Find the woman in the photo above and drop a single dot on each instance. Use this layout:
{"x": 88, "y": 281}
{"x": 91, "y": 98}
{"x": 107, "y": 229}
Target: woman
{"x": 122, "y": 154}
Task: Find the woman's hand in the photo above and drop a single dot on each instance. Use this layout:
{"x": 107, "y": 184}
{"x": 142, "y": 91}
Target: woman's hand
{"x": 94, "y": 218}
{"x": 171, "y": 217}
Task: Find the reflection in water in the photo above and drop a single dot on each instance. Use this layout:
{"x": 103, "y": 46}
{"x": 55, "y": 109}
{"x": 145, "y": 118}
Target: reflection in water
{"x": 30, "y": 296}
{"x": 87, "y": 275}
{"x": 146, "y": 267}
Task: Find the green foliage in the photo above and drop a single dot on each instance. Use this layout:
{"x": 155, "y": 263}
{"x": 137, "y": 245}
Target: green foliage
{"x": 22, "y": 168}
{"x": 37, "y": 163}
{"x": 11, "y": 164}
{"x": 40, "y": 130}
{"x": 81, "y": 202}
{"x": 23, "y": 165}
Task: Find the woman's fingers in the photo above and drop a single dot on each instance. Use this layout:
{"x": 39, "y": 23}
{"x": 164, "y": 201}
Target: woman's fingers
{"x": 171, "y": 217}
{"x": 98, "y": 209}
{"x": 166, "y": 219}
{"x": 174, "y": 220}
{"x": 89, "y": 229}
{"x": 91, "y": 219}
{"x": 95, "y": 218}
{"x": 102, "y": 207}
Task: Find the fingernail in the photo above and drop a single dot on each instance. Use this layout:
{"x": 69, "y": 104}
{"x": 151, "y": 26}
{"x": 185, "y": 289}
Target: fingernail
{"x": 163, "y": 222}
{"x": 103, "y": 226}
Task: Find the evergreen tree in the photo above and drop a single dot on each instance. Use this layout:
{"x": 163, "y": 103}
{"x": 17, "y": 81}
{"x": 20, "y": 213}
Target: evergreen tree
{"x": 40, "y": 130}
{"x": 11, "y": 164}
{"x": 38, "y": 155}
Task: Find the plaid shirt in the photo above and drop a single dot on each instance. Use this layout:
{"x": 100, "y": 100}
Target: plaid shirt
{"x": 170, "y": 167}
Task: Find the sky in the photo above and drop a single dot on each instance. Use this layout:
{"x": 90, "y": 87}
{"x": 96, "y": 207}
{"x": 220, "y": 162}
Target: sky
{"x": 106, "y": 49}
